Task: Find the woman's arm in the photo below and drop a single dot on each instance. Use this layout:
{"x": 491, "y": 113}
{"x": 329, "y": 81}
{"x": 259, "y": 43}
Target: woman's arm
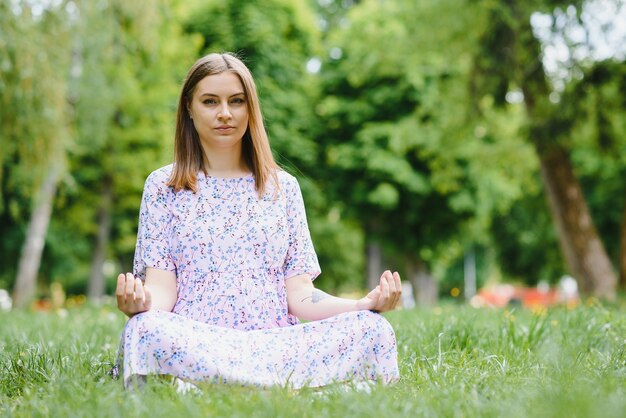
{"x": 157, "y": 293}
{"x": 311, "y": 304}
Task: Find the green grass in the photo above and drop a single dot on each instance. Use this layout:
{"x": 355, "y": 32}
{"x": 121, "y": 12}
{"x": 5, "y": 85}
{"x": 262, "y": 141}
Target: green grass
{"x": 455, "y": 361}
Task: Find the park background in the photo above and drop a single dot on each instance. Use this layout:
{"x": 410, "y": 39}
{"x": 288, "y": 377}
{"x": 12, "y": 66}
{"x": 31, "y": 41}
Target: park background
{"x": 428, "y": 136}
{"x": 444, "y": 138}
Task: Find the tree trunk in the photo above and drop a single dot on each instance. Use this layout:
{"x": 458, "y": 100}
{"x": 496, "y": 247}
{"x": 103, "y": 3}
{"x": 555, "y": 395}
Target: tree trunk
{"x": 584, "y": 252}
{"x": 425, "y": 287}
{"x": 96, "y": 278}
{"x": 32, "y": 249}
{"x": 622, "y": 253}
{"x": 469, "y": 274}
{"x": 374, "y": 264}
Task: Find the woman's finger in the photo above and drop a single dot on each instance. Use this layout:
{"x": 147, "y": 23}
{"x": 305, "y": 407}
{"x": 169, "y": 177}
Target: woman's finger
{"x": 392, "y": 285}
{"x": 139, "y": 294}
{"x": 148, "y": 301}
{"x": 384, "y": 287}
{"x": 120, "y": 289}
{"x": 396, "y": 279}
{"x": 130, "y": 288}
{"x": 398, "y": 283}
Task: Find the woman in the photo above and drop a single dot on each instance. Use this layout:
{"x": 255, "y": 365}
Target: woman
{"x": 224, "y": 263}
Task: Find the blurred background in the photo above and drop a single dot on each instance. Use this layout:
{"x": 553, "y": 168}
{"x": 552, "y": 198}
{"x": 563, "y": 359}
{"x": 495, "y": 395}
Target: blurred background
{"x": 468, "y": 144}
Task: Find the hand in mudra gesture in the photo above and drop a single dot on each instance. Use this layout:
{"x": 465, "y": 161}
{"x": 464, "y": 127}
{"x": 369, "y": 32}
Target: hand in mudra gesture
{"x": 132, "y": 295}
{"x": 385, "y": 296}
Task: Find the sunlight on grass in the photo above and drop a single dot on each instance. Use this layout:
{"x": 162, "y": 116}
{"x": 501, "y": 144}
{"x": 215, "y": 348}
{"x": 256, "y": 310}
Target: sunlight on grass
{"x": 454, "y": 361}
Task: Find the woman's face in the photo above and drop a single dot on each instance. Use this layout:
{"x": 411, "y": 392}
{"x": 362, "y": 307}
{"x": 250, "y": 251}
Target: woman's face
{"x": 219, "y": 110}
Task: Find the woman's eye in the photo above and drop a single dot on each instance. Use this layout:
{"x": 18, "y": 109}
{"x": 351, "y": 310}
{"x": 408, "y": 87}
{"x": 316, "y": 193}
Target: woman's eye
{"x": 209, "y": 101}
{"x": 238, "y": 100}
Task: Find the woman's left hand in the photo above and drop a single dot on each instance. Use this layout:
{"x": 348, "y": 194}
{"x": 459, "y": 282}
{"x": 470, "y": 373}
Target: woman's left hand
{"x": 385, "y": 296}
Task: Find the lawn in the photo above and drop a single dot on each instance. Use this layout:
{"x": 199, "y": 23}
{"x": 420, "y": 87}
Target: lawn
{"x": 454, "y": 361}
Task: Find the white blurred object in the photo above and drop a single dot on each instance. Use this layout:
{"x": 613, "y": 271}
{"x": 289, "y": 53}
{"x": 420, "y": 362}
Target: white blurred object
{"x": 184, "y": 387}
{"x": 469, "y": 274}
{"x": 568, "y": 288}
{"x": 408, "y": 301}
{"x": 5, "y": 300}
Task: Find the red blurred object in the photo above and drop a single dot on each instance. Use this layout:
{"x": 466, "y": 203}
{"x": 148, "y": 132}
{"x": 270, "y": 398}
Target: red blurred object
{"x": 541, "y": 296}
{"x": 534, "y": 297}
{"x": 41, "y": 305}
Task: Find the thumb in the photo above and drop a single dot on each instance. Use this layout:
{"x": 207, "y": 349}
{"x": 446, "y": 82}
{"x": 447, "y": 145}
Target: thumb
{"x": 370, "y": 301}
{"x": 374, "y": 293}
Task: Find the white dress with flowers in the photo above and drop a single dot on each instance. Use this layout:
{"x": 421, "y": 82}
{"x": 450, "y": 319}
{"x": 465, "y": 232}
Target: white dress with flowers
{"x": 232, "y": 253}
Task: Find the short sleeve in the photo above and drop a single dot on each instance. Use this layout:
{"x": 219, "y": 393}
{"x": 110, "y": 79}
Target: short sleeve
{"x": 153, "y": 247}
{"x": 301, "y": 257}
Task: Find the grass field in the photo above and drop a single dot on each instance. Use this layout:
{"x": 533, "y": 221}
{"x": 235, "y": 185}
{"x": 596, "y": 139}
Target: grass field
{"x": 455, "y": 361}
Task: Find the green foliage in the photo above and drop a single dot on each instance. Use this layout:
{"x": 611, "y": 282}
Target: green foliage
{"x": 117, "y": 84}
{"x": 453, "y": 361}
{"x": 525, "y": 242}
{"x": 126, "y": 101}
{"x": 508, "y": 59}
{"x": 453, "y": 276}
{"x": 338, "y": 242}
{"x": 592, "y": 108}
{"x": 35, "y": 116}
{"x": 405, "y": 135}
{"x": 417, "y": 159}
{"x": 598, "y": 143}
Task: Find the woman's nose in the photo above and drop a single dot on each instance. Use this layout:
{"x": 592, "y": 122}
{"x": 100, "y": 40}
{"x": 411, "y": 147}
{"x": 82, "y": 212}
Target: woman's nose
{"x": 224, "y": 112}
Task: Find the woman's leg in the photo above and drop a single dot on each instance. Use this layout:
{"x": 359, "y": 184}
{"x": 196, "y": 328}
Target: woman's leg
{"x": 163, "y": 343}
{"x": 353, "y": 346}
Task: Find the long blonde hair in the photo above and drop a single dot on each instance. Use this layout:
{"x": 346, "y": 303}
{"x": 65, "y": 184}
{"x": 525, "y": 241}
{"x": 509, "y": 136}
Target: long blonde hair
{"x": 188, "y": 153}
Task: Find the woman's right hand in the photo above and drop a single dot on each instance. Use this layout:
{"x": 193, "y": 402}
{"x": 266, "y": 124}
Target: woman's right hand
{"x": 132, "y": 295}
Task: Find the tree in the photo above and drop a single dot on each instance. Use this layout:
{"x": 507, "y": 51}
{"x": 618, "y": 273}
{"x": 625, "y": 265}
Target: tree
{"x": 125, "y": 100}
{"x": 510, "y": 59}
{"x": 409, "y": 156}
{"x": 109, "y": 85}
{"x": 35, "y": 122}
{"x": 599, "y": 148}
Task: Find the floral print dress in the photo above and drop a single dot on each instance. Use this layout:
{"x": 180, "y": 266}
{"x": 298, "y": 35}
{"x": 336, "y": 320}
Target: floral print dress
{"x": 232, "y": 252}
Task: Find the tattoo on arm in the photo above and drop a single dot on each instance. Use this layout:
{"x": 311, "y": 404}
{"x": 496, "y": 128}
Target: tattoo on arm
{"x": 316, "y": 296}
